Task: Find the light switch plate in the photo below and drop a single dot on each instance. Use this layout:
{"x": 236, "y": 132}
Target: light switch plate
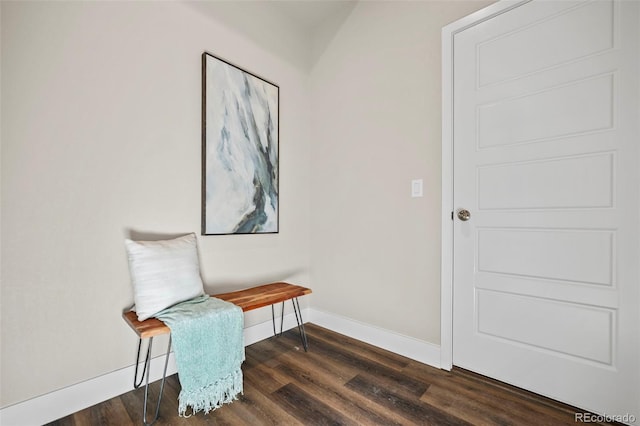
{"x": 416, "y": 188}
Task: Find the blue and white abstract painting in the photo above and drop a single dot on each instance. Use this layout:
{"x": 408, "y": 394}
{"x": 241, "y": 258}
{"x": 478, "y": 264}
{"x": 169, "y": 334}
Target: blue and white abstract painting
{"x": 240, "y": 151}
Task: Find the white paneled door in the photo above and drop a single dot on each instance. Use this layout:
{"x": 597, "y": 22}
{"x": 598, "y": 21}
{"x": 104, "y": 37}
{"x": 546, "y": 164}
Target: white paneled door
{"x": 546, "y": 188}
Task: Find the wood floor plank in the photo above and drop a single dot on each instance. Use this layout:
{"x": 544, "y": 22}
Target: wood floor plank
{"x": 223, "y": 416}
{"x": 244, "y": 411}
{"x": 110, "y": 413}
{"x": 393, "y": 378}
{"x": 359, "y": 348}
{"x": 343, "y": 372}
{"x": 307, "y": 408}
{"x": 326, "y": 383}
{"x": 266, "y": 410}
{"x": 471, "y": 410}
{"x": 537, "y": 402}
{"x": 269, "y": 379}
{"x": 343, "y": 355}
{"x": 542, "y": 407}
{"x": 132, "y": 403}
{"x": 311, "y": 381}
{"x": 412, "y": 410}
{"x": 495, "y": 398}
{"x": 267, "y": 354}
{"x": 519, "y": 410}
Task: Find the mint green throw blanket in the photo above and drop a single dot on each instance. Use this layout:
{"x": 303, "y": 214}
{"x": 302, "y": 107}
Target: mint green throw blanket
{"x": 208, "y": 343}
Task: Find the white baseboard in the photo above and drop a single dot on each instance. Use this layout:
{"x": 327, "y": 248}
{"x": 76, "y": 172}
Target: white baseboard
{"x": 60, "y": 403}
{"x": 419, "y": 350}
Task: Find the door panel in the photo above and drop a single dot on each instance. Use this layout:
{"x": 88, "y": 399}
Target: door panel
{"x": 581, "y": 181}
{"x": 566, "y": 110}
{"x": 572, "y": 329}
{"x": 548, "y": 254}
{"x": 546, "y": 140}
{"x": 520, "y": 50}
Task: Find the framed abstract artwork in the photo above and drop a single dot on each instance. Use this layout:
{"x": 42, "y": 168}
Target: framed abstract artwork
{"x": 240, "y": 138}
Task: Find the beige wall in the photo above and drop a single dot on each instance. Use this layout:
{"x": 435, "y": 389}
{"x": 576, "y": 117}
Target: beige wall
{"x": 101, "y": 141}
{"x": 376, "y": 95}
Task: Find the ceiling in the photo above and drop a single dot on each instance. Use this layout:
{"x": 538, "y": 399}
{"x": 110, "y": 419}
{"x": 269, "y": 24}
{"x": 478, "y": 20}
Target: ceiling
{"x": 306, "y": 16}
{"x": 310, "y": 14}
{"x": 297, "y": 30}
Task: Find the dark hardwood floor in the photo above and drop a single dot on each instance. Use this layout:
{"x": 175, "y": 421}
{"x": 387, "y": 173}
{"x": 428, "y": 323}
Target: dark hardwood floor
{"x": 342, "y": 381}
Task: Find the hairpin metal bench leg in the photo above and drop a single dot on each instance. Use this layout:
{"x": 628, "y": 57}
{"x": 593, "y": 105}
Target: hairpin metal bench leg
{"x": 273, "y": 320}
{"x": 281, "y": 317}
{"x": 298, "y": 312}
{"x": 147, "y": 368}
{"x": 136, "y": 383}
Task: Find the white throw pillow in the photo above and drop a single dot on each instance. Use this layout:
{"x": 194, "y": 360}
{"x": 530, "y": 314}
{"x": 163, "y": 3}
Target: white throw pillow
{"x": 163, "y": 273}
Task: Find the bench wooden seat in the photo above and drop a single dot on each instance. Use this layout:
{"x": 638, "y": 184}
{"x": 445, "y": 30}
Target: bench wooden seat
{"x": 248, "y": 299}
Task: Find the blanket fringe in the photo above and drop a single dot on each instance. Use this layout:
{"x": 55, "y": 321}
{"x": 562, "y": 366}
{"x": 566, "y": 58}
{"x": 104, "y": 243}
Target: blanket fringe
{"x": 211, "y": 397}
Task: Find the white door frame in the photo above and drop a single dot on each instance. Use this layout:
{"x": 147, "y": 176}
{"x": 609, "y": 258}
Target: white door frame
{"x": 446, "y": 265}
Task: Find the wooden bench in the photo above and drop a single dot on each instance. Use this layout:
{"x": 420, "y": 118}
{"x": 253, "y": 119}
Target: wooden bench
{"x": 248, "y": 299}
